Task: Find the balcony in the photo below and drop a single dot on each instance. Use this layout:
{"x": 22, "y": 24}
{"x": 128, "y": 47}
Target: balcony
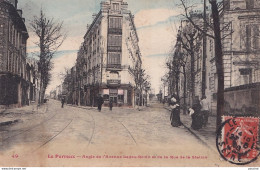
{"x": 114, "y": 66}
{"x": 114, "y": 12}
{"x": 115, "y": 31}
{"x": 114, "y": 49}
{"x": 113, "y": 82}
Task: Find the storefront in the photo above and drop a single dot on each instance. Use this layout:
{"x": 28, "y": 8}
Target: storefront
{"x": 119, "y": 96}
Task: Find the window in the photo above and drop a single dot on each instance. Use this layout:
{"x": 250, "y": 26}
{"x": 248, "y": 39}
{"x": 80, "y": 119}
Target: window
{"x": 114, "y": 58}
{"x": 250, "y": 4}
{"x": 227, "y": 4}
{"x": 256, "y": 36}
{"x": 245, "y": 71}
{"x": 114, "y": 40}
{"x": 248, "y": 37}
{"x": 8, "y": 60}
{"x": 252, "y": 37}
{"x": 115, "y": 22}
{"x": 115, "y": 6}
{"x": 120, "y": 98}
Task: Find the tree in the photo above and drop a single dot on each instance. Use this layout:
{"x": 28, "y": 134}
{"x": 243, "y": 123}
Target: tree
{"x": 141, "y": 80}
{"x": 177, "y": 65}
{"x": 218, "y": 50}
{"x": 50, "y": 38}
{"x": 190, "y": 41}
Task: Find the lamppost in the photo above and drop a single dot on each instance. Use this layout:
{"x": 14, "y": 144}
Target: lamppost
{"x": 203, "y": 83}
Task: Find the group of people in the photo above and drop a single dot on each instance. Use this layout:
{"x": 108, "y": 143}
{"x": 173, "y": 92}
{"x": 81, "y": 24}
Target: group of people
{"x": 100, "y": 102}
{"x": 199, "y": 112}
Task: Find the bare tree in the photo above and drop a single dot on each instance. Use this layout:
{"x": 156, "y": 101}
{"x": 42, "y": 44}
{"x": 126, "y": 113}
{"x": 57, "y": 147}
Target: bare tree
{"x": 141, "y": 80}
{"x": 50, "y": 38}
{"x": 190, "y": 42}
{"x": 218, "y": 50}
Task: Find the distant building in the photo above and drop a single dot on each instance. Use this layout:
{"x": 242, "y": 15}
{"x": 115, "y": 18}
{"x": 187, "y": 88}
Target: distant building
{"x": 14, "y": 83}
{"x": 107, "y": 56}
{"x": 33, "y": 77}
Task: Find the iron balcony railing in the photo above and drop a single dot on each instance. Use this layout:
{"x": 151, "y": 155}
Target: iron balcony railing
{"x": 113, "y": 82}
{"x": 114, "y": 66}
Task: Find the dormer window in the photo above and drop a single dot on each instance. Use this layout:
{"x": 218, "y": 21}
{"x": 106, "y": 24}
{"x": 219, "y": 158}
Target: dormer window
{"x": 115, "y": 6}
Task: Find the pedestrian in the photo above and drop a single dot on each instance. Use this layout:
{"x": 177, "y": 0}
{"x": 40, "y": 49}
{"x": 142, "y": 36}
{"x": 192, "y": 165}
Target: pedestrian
{"x": 111, "y": 104}
{"x": 204, "y": 110}
{"x": 175, "y": 111}
{"x": 100, "y": 101}
{"x": 196, "y": 116}
{"x": 62, "y": 102}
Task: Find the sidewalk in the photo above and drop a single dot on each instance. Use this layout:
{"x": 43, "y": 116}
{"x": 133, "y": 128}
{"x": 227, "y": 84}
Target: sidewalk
{"x": 207, "y": 135}
{"x": 15, "y": 115}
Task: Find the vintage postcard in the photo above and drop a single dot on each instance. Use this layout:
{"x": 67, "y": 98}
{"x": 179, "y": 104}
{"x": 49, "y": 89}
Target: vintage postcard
{"x": 139, "y": 83}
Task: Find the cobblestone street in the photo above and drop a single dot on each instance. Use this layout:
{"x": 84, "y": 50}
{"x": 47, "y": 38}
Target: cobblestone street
{"x": 82, "y": 132}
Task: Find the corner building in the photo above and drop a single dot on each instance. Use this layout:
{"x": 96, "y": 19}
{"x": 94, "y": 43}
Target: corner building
{"x": 14, "y": 82}
{"x": 110, "y": 53}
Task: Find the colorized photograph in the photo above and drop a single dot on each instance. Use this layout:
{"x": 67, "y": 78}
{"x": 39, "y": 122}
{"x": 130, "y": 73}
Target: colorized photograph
{"x": 129, "y": 83}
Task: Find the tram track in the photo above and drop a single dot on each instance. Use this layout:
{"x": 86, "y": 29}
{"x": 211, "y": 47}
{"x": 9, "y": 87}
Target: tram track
{"x": 46, "y": 121}
{"x": 52, "y": 138}
{"x": 114, "y": 119}
{"x": 30, "y": 128}
{"x": 93, "y": 120}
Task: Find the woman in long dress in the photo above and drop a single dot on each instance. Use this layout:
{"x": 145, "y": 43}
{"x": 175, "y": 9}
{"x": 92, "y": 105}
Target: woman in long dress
{"x": 175, "y": 112}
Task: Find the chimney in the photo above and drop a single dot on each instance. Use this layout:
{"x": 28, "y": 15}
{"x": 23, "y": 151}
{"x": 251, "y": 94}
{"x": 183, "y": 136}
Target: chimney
{"x": 14, "y": 3}
{"x": 20, "y": 12}
{"x": 94, "y": 16}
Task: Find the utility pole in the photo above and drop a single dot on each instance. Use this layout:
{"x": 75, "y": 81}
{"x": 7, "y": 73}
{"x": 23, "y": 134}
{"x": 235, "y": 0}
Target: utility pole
{"x": 204, "y": 57}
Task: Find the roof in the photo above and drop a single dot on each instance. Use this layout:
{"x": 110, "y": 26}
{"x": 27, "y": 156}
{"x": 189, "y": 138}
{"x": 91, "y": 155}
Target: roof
{"x": 15, "y": 17}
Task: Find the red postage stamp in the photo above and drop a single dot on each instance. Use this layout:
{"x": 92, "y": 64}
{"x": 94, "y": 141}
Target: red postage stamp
{"x": 238, "y": 138}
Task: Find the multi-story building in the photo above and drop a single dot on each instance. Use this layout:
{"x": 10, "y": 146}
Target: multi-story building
{"x": 108, "y": 55}
{"x": 33, "y": 75}
{"x": 13, "y": 37}
{"x": 69, "y": 86}
{"x": 240, "y": 26}
{"x": 188, "y": 54}
{"x": 240, "y": 21}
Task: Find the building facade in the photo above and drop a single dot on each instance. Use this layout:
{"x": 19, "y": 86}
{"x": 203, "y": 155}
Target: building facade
{"x": 33, "y": 77}
{"x": 240, "y": 21}
{"x": 14, "y": 84}
{"x": 107, "y": 57}
{"x": 240, "y": 26}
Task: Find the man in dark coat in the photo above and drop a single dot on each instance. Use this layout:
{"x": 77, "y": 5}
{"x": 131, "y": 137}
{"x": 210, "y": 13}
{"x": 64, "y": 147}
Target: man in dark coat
{"x": 111, "y": 104}
{"x": 100, "y": 101}
{"x": 62, "y": 102}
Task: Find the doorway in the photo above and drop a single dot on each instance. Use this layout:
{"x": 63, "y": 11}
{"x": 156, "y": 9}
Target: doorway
{"x": 114, "y": 99}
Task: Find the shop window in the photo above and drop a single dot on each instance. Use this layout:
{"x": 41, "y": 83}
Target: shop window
{"x": 121, "y": 98}
{"x": 106, "y": 97}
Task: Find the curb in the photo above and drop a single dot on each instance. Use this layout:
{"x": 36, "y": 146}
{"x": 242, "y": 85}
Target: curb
{"x": 194, "y": 134}
{"x": 9, "y": 122}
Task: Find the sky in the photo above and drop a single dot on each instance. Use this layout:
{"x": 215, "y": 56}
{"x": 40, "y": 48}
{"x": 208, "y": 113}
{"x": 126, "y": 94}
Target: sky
{"x": 156, "y": 22}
